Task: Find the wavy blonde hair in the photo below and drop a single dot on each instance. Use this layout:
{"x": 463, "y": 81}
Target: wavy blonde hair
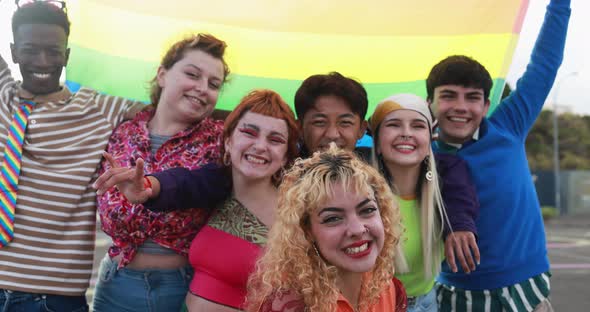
{"x": 290, "y": 264}
{"x": 432, "y": 216}
{"x": 432, "y": 213}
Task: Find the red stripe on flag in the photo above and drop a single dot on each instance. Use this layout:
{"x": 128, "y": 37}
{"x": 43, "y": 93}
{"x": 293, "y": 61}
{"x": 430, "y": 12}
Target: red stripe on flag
{"x": 520, "y": 17}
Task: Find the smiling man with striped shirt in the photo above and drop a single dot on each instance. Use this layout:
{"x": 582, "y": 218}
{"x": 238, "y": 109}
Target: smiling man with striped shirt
{"x": 46, "y": 261}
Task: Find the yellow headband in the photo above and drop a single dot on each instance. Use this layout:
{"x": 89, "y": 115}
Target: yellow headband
{"x": 397, "y": 102}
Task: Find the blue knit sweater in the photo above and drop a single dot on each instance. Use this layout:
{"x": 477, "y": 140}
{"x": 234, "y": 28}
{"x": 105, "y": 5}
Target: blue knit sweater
{"x": 510, "y": 226}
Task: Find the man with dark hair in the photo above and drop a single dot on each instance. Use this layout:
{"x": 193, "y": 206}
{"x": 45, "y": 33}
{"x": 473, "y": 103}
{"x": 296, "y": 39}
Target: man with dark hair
{"x": 514, "y": 270}
{"x": 40, "y": 47}
{"x": 460, "y": 70}
{"x": 331, "y": 108}
{"x": 47, "y": 204}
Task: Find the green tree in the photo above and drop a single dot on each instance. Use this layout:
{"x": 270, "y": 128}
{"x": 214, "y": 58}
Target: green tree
{"x": 574, "y": 142}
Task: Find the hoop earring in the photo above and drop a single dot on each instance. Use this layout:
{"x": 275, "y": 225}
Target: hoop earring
{"x": 429, "y": 175}
{"x": 226, "y": 159}
{"x": 317, "y": 252}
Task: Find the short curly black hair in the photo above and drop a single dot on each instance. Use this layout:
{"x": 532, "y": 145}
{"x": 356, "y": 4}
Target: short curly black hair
{"x": 348, "y": 89}
{"x": 459, "y": 70}
{"x": 40, "y": 12}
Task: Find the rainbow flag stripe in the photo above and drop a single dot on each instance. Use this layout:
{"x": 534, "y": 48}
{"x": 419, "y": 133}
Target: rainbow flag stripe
{"x": 388, "y": 45}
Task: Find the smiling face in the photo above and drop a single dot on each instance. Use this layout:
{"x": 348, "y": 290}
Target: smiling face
{"x": 41, "y": 52}
{"x": 331, "y": 120}
{"x": 258, "y": 146}
{"x": 348, "y": 231}
{"x": 404, "y": 138}
{"x": 190, "y": 88}
{"x": 459, "y": 111}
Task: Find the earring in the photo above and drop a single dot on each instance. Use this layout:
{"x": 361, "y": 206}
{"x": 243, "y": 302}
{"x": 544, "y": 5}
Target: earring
{"x": 226, "y": 159}
{"x": 429, "y": 175}
{"x": 317, "y": 252}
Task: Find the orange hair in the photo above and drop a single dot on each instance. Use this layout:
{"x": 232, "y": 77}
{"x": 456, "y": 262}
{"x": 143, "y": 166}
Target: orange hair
{"x": 268, "y": 103}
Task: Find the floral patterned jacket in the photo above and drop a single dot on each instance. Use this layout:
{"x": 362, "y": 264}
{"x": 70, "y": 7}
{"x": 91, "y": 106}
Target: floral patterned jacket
{"x": 130, "y": 225}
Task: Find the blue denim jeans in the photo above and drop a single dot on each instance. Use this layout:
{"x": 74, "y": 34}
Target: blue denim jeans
{"x": 139, "y": 290}
{"x": 16, "y": 301}
{"x": 424, "y": 303}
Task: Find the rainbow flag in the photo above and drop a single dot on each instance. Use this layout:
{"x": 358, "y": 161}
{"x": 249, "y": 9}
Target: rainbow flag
{"x": 388, "y": 45}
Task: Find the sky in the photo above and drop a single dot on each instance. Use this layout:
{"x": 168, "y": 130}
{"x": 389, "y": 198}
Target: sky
{"x": 574, "y": 73}
{"x": 567, "y": 91}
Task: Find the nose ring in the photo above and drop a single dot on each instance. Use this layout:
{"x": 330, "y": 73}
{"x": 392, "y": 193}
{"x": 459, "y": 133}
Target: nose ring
{"x": 405, "y": 137}
{"x": 366, "y": 229}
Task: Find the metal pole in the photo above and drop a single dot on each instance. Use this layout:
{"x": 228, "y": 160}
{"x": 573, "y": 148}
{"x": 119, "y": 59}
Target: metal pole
{"x": 556, "y": 158}
{"x": 556, "y": 169}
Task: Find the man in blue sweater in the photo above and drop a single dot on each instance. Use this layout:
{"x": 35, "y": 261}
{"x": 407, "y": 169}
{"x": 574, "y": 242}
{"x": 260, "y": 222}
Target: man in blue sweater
{"x": 514, "y": 271}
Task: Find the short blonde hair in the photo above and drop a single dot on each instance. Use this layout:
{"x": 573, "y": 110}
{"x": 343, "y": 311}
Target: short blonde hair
{"x": 290, "y": 263}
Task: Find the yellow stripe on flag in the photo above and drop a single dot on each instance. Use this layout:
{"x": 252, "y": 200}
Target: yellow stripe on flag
{"x": 273, "y": 54}
{"x": 350, "y": 17}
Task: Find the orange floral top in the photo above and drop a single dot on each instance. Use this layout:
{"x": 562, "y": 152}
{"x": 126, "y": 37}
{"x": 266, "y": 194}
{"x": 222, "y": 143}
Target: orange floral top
{"x": 392, "y": 299}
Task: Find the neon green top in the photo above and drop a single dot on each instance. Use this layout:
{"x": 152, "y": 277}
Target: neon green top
{"x": 414, "y": 281}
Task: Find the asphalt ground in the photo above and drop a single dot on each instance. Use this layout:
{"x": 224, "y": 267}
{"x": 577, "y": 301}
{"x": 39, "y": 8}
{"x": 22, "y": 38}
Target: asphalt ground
{"x": 568, "y": 242}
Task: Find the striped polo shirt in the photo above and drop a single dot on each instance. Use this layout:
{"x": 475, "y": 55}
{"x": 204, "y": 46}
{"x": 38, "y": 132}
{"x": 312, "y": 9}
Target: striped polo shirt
{"x": 55, "y": 215}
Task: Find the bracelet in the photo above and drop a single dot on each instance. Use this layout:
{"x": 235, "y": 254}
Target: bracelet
{"x": 147, "y": 183}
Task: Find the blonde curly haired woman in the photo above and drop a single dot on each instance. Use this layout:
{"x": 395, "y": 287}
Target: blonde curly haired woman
{"x": 332, "y": 246}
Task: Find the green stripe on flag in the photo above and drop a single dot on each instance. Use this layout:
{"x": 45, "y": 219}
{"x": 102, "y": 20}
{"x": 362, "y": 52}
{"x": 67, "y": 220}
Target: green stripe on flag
{"x": 130, "y": 78}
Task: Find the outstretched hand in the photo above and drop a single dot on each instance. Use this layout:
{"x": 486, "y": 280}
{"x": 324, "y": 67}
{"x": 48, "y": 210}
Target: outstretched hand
{"x": 129, "y": 181}
{"x": 459, "y": 246}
